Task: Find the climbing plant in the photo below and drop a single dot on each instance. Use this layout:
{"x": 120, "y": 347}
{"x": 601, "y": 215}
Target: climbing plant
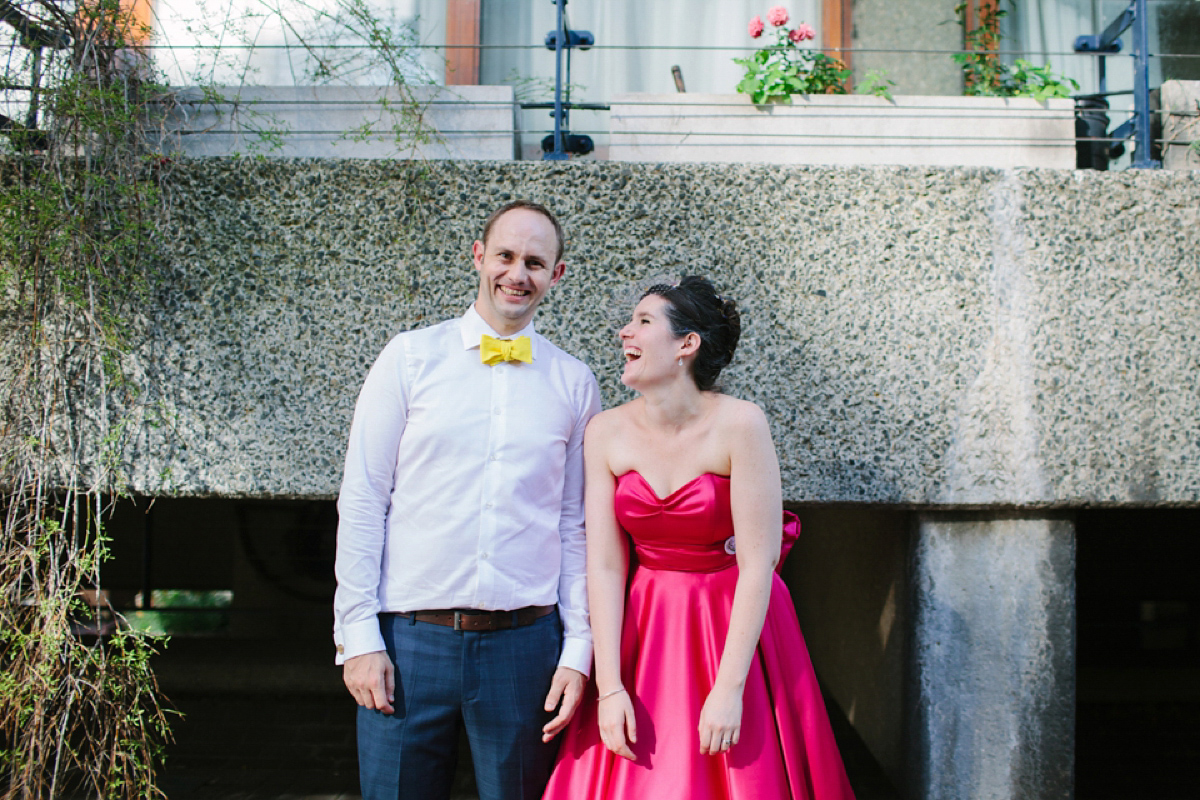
{"x": 80, "y": 197}
{"x": 86, "y": 166}
{"x": 986, "y": 75}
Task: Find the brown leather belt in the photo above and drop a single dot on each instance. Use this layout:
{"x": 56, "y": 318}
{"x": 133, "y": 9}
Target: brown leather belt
{"x": 472, "y": 620}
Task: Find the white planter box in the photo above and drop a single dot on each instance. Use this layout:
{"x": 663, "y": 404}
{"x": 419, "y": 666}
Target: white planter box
{"x": 467, "y": 122}
{"x": 848, "y": 130}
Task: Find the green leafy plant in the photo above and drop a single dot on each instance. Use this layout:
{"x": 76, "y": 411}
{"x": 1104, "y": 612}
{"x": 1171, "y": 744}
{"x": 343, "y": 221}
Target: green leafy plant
{"x": 1039, "y": 82}
{"x": 986, "y": 75}
{"x": 782, "y": 69}
{"x": 876, "y": 82}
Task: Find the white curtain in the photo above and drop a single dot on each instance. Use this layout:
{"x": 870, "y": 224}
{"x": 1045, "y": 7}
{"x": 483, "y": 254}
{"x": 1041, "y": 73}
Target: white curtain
{"x": 260, "y": 42}
{"x": 656, "y": 33}
{"x": 1046, "y": 31}
{"x": 702, "y": 37}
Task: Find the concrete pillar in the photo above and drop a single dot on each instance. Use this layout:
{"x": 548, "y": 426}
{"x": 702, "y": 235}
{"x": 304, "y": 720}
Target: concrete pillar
{"x": 992, "y": 681}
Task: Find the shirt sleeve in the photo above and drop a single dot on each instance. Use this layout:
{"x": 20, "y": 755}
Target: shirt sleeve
{"x": 380, "y": 416}
{"x": 572, "y": 582}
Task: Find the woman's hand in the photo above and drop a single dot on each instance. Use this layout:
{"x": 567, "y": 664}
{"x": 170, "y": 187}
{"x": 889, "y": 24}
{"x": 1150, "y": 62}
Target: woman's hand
{"x": 720, "y": 720}
{"x": 615, "y": 716}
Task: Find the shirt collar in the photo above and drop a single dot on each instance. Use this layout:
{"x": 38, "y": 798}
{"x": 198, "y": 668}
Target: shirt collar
{"x": 473, "y": 327}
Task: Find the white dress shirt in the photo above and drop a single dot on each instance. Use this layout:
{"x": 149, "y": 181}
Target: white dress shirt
{"x": 464, "y": 486}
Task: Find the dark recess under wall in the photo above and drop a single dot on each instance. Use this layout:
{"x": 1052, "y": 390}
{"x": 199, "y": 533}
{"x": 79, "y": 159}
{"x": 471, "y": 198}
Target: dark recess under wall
{"x": 266, "y": 714}
{"x": 1138, "y": 655}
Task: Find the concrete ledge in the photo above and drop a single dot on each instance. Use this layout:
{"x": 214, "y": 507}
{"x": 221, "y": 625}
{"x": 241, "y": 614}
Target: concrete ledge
{"x": 456, "y": 122}
{"x": 848, "y": 130}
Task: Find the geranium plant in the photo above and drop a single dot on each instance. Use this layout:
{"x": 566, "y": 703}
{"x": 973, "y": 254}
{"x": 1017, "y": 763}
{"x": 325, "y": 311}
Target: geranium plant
{"x": 782, "y": 69}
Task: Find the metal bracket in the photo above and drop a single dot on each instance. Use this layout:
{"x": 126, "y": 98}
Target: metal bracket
{"x": 1093, "y": 44}
{"x": 581, "y": 39}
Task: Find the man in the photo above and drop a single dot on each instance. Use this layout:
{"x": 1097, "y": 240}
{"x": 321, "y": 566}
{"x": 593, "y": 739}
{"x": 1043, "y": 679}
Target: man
{"x": 461, "y": 529}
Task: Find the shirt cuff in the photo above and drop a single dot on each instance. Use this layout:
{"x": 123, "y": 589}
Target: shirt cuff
{"x": 576, "y": 654}
{"x": 358, "y": 638}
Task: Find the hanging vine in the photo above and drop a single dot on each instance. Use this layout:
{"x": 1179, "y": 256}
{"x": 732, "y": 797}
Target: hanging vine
{"x": 85, "y": 126}
{"x": 79, "y": 201}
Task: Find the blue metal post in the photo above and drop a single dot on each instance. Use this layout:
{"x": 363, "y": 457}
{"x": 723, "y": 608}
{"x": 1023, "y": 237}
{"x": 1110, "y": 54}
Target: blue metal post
{"x": 560, "y": 41}
{"x": 1141, "y": 87}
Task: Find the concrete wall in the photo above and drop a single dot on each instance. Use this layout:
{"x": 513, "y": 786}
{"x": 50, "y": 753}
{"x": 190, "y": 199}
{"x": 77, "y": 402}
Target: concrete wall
{"x": 1009, "y": 343}
{"x": 919, "y": 337}
{"x": 992, "y": 658}
{"x": 886, "y": 32}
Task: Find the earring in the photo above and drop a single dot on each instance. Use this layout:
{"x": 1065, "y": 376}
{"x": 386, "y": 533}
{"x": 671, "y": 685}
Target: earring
{"x": 681, "y": 361}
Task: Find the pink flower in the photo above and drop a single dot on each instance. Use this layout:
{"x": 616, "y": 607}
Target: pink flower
{"x": 802, "y": 33}
{"x": 756, "y": 27}
{"x": 777, "y": 16}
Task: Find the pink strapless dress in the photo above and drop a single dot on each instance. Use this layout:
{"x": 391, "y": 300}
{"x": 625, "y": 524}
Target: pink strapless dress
{"x": 676, "y": 619}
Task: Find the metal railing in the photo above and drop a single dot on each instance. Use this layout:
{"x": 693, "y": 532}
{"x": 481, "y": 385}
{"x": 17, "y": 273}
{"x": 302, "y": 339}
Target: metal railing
{"x": 562, "y": 140}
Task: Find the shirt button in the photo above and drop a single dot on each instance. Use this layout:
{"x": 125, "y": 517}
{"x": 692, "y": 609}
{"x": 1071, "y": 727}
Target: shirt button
{"x": 498, "y": 411}
{"x": 487, "y": 505}
{"x": 495, "y": 457}
{"x": 484, "y": 556}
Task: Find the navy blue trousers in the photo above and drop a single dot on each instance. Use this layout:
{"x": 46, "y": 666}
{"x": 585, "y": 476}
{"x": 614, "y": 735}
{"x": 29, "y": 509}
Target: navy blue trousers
{"x": 495, "y": 683}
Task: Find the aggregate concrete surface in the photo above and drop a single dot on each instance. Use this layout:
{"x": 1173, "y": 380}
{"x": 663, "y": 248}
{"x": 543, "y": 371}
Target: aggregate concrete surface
{"x": 958, "y": 338}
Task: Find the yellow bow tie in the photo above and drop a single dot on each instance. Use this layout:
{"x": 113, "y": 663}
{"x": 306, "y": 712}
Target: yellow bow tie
{"x": 492, "y": 350}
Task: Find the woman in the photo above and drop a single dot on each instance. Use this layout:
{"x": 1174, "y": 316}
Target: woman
{"x": 702, "y": 687}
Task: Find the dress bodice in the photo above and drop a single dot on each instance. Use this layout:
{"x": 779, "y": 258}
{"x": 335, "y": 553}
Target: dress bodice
{"x": 687, "y": 530}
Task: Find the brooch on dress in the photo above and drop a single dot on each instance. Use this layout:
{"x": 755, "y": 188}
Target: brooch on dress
{"x": 730, "y": 547}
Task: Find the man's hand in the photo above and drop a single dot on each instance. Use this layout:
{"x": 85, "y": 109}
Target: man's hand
{"x": 566, "y": 689}
{"x": 371, "y": 678}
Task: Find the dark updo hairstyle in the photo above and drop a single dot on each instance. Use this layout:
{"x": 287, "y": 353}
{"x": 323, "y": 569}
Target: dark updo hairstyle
{"x": 693, "y": 306}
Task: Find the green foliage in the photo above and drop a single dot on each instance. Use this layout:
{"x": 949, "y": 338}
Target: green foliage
{"x": 985, "y": 75}
{"x": 179, "y": 611}
{"x": 877, "y": 83}
{"x": 778, "y": 71}
{"x": 1039, "y": 82}
{"x": 80, "y": 202}
{"x": 85, "y": 188}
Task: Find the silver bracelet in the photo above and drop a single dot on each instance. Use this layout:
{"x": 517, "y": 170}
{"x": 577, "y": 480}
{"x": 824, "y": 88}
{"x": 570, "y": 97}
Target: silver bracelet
{"x": 610, "y": 694}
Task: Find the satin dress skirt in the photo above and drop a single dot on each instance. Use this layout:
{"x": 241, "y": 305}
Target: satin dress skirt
{"x": 676, "y": 619}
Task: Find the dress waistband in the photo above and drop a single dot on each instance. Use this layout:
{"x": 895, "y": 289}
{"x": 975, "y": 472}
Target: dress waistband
{"x": 684, "y": 558}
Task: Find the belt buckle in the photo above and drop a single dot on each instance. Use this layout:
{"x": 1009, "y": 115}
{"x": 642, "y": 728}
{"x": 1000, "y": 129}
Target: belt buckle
{"x": 458, "y": 615}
